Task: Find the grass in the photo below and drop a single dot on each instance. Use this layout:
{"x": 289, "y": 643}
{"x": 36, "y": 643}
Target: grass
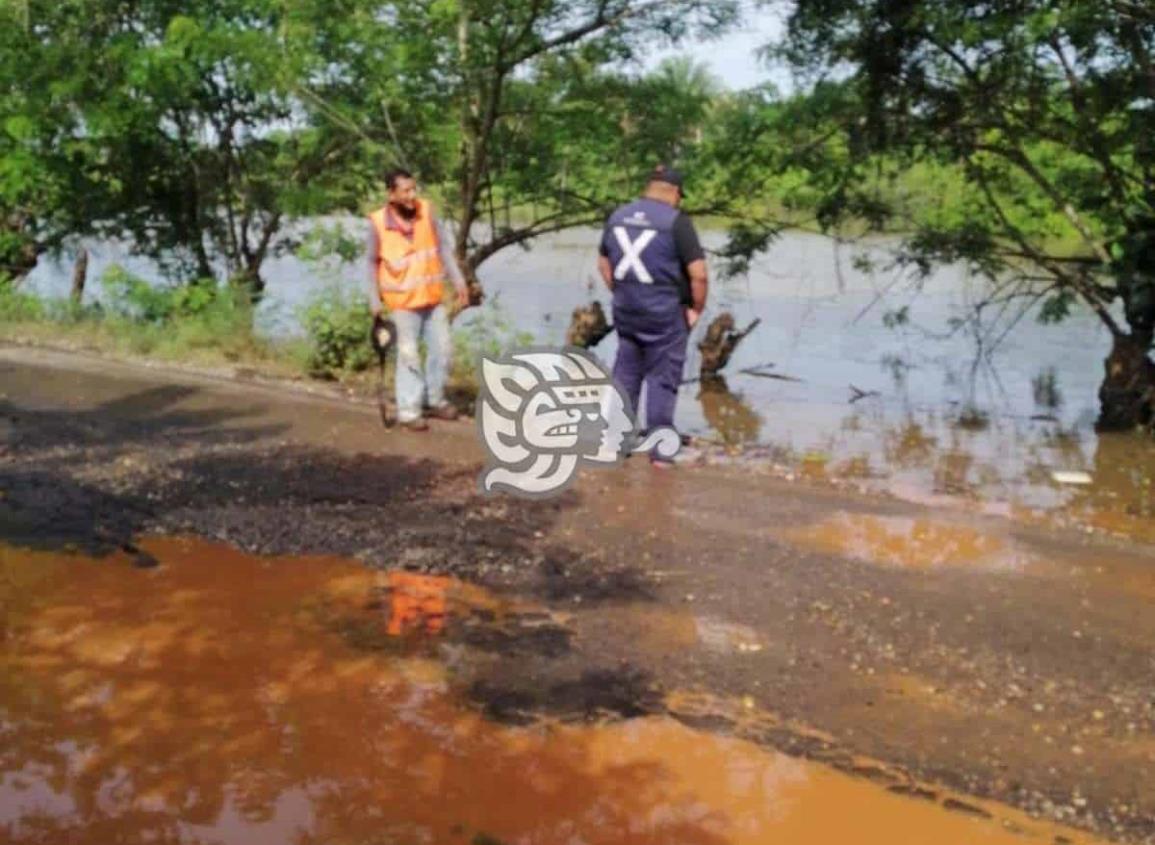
{"x": 213, "y": 330}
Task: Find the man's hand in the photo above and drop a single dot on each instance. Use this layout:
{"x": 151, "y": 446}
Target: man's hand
{"x": 692, "y": 316}
{"x": 463, "y": 297}
{"x": 606, "y": 271}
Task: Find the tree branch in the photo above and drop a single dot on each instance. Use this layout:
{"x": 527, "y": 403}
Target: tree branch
{"x": 1088, "y": 294}
{"x": 527, "y": 28}
{"x": 1088, "y": 126}
{"x": 600, "y": 20}
{"x": 561, "y": 221}
{"x": 1020, "y": 159}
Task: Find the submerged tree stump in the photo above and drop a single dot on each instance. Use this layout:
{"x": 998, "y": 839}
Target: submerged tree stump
{"x": 720, "y": 342}
{"x": 588, "y": 326}
{"x": 1127, "y": 394}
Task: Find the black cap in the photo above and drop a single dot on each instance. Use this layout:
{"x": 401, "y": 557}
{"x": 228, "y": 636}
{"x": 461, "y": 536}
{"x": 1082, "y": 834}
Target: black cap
{"x": 662, "y": 173}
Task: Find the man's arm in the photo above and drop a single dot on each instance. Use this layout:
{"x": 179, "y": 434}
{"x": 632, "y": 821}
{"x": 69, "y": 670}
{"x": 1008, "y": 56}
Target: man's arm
{"x": 452, "y": 268}
{"x": 374, "y": 253}
{"x": 604, "y": 267}
{"x": 699, "y": 284}
{"x": 693, "y": 258}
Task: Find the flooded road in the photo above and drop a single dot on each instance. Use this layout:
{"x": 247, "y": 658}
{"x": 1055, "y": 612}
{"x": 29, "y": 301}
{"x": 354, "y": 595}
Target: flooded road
{"x": 195, "y": 694}
{"x": 970, "y": 655}
{"x": 911, "y": 409}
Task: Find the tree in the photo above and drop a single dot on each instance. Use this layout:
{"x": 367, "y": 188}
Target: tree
{"x": 48, "y": 174}
{"x": 189, "y": 128}
{"x": 199, "y": 130}
{"x": 1047, "y": 107}
{"x": 224, "y": 145}
{"x": 548, "y": 136}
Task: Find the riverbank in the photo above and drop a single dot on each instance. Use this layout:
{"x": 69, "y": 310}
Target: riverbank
{"x": 1117, "y": 504}
{"x": 983, "y": 656}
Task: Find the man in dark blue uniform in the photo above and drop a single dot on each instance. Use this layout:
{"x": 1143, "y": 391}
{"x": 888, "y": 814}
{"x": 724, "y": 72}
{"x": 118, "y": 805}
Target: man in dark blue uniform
{"x": 651, "y": 259}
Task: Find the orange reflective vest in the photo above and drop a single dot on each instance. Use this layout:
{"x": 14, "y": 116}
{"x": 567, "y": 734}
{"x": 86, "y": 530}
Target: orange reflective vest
{"x": 410, "y": 273}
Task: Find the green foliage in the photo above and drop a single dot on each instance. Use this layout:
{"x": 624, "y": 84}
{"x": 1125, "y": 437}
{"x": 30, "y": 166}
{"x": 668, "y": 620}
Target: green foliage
{"x": 197, "y": 131}
{"x": 337, "y": 327}
{"x": 1057, "y": 307}
{"x": 1039, "y": 111}
{"x": 172, "y": 319}
{"x": 16, "y": 306}
{"x": 329, "y": 242}
{"x": 135, "y": 298}
{"x": 540, "y": 130}
{"x": 487, "y": 333}
{"x": 194, "y": 130}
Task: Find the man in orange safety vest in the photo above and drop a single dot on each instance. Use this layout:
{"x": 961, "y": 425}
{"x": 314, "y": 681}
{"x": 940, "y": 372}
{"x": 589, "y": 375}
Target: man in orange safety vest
{"x": 409, "y": 261}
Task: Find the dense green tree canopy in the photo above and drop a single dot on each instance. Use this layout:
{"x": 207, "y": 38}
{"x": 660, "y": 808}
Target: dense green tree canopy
{"x": 1047, "y": 108}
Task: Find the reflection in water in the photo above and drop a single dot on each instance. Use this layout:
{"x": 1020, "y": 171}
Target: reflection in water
{"x": 1121, "y": 497}
{"x": 416, "y": 603}
{"x": 909, "y": 543}
{"x": 923, "y": 455}
{"x": 908, "y": 445}
{"x": 951, "y": 471}
{"x": 727, "y": 413}
{"x": 1045, "y": 389}
{"x": 211, "y": 699}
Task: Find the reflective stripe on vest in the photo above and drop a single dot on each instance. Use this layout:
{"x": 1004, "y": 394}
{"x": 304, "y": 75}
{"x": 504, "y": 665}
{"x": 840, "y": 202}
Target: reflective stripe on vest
{"x": 410, "y": 273}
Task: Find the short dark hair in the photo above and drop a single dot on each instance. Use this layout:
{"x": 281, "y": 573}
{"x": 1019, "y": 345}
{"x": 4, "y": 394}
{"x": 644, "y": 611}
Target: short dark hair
{"x": 393, "y": 175}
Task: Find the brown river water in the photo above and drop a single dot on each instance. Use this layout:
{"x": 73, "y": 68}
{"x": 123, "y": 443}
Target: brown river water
{"x": 225, "y": 698}
{"x": 937, "y": 418}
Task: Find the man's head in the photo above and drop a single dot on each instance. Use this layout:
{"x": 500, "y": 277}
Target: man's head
{"x": 665, "y": 185}
{"x": 402, "y": 190}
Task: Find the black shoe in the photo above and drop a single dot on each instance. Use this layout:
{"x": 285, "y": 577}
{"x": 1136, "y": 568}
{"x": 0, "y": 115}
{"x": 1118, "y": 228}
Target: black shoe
{"x": 445, "y": 411}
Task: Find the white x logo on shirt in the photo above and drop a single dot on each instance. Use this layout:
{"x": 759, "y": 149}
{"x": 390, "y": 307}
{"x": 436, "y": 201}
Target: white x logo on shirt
{"x": 632, "y": 254}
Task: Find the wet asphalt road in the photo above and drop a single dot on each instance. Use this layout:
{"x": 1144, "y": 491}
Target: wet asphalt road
{"x": 1019, "y": 667}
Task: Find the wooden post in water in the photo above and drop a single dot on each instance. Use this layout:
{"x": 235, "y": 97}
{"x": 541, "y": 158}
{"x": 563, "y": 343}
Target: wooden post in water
{"x": 588, "y": 326}
{"x": 720, "y": 342}
{"x": 79, "y": 276}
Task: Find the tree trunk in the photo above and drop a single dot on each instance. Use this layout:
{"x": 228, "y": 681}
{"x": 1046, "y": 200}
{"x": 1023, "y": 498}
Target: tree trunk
{"x": 21, "y": 256}
{"x": 1127, "y": 395}
{"x": 720, "y": 342}
{"x": 588, "y": 326}
{"x": 249, "y": 280}
{"x": 79, "y": 276}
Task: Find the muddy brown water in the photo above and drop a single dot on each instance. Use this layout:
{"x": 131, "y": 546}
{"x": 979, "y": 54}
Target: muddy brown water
{"x": 936, "y": 420}
{"x": 218, "y": 697}
{"x": 912, "y": 542}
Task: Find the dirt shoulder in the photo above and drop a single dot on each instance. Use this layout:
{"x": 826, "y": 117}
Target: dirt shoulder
{"x": 983, "y": 655}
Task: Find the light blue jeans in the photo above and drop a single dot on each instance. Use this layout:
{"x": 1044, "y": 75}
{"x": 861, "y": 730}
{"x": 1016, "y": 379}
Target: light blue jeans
{"x": 432, "y": 325}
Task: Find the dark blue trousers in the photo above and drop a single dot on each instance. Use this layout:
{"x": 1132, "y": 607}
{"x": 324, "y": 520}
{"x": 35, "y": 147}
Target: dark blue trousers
{"x": 651, "y": 349}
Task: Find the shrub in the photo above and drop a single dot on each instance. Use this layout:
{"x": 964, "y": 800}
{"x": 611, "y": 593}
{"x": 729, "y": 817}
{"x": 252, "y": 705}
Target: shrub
{"x": 141, "y": 301}
{"x": 338, "y": 331}
{"x": 489, "y": 334}
{"x": 16, "y": 306}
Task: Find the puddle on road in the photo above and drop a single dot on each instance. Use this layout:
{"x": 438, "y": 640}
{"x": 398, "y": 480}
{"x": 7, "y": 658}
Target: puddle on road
{"x": 909, "y": 543}
{"x": 655, "y": 629}
{"x": 225, "y": 698}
